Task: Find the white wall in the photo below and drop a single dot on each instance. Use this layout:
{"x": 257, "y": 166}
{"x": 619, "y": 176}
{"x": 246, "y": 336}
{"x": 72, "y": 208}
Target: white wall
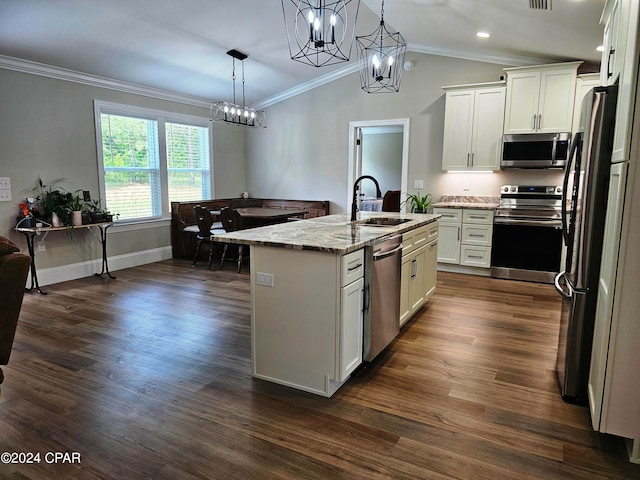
{"x": 382, "y": 159}
{"x": 304, "y": 151}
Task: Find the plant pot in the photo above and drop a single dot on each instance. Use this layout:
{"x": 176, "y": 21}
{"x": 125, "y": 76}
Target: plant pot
{"x": 55, "y": 220}
{"x": 76, "y": 217}
{"x": 98, "y": 218}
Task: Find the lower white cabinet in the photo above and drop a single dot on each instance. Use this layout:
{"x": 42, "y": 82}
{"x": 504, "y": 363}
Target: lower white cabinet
{"x": 465, "y": 236}
{"x": 306, "y": 329}
{"x": 418, "y": 279}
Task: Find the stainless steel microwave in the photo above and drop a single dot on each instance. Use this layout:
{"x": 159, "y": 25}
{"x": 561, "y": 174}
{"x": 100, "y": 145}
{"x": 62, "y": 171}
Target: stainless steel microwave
{"x": 535, "y": 150}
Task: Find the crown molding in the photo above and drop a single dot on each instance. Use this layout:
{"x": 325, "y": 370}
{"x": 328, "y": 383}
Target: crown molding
{"x": 305, "y": 87}
{"x": 35, "y": 68}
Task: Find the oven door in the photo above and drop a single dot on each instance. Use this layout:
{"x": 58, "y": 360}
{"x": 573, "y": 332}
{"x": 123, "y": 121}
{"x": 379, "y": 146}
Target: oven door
{"x": 524, "y": 249}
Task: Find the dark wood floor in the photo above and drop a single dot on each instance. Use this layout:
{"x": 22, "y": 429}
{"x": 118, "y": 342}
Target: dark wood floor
{"x": 148, "y": 376}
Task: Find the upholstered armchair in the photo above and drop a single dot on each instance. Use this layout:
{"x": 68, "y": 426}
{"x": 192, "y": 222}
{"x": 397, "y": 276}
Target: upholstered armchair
{"x": 13, "y": 277}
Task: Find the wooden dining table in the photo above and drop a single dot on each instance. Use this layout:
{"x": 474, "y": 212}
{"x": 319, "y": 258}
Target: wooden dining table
{"x": 259, "y": 216}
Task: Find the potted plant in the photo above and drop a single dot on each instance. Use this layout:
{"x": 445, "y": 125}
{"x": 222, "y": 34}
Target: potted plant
{"x": 75, "y": 206}
{"x": 53, "y": 200}
{"x": 419, "y": 204}
{"x": 98, "y": 214}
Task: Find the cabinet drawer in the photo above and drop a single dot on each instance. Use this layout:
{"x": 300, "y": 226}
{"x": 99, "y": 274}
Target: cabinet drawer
{"x": 477, "y": 216}
{"x": 479, "y": 235}
{"x": 420, "y": 238}
{"x": 472, "y": 256}
{"x": 407, "y": 242}
{"x": 352, "y": 267}
{"x": 432, "y": 231}
{"x": 449, "y": 215}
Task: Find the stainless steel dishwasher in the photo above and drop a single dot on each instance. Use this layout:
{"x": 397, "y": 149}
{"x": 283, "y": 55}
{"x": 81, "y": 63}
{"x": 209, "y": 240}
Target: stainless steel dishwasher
{"x": 381, "y": 319}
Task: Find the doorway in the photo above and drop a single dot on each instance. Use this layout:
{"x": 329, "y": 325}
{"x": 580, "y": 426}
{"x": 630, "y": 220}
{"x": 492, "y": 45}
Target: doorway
{"x": 379, "y": 148}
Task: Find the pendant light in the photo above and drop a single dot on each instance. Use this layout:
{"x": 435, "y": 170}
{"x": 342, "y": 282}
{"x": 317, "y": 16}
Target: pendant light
{"x": 232, "y": 112}
{"x": 320, "y": 32}
{"x": 381, "y": 59}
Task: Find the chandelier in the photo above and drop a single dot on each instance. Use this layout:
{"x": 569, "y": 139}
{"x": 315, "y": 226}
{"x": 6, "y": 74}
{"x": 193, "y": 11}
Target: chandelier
{"x": 320, "y": 32}
{"x": 381, "y": 59}
{"x": 232, "y": 112}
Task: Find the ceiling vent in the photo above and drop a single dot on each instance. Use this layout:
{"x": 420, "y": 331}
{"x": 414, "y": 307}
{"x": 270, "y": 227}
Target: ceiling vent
{"x": 540, "y": 4}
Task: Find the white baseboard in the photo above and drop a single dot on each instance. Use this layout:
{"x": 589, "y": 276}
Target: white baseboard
{"x": 63, "y": 273}
{"x": 446, "y": 267}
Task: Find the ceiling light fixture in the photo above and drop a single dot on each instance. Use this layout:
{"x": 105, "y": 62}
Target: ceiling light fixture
{"x": 483, "y": 34}
{"x": 232, "y": 112}
{"x": 600, "y": 48}
{"x": 381, "y": 57}
{"x": 320, "y": 32}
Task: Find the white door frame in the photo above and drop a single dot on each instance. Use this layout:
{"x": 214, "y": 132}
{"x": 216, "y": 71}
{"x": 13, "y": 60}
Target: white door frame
{"x": 353, "y": 157}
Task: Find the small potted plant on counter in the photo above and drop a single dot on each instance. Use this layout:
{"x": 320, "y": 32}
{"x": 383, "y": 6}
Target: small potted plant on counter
{"x": 75, "y": 206}
{"x": 419, "y": 204}
{"x": 97, "y": 214}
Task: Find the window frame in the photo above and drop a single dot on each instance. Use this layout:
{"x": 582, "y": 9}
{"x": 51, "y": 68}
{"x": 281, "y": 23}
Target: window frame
{"x": 161, "y": 117}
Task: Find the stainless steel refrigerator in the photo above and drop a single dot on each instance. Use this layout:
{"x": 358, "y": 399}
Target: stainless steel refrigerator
{"x": 585, "y": 187}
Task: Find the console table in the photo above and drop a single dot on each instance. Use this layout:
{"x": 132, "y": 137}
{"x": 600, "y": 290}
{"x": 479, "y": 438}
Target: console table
{"x": 31, "y": 232}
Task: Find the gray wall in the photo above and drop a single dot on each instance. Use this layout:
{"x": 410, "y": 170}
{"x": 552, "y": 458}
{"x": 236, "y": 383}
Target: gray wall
{"x": 47, "y": 130}
{"x": 304, "y": 151}
{"x": 382, "y": 158}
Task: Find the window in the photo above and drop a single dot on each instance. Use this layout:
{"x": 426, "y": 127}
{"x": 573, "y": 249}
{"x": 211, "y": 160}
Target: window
{"x": 148, "y": 159}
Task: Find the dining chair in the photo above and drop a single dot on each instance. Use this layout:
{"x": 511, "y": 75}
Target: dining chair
{"x": 391, "y": 201}
{"x": 231, "y": 222}
{"x": 206, "y": 228}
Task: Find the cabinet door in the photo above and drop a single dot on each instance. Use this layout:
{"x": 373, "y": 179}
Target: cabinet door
{"x": 523, "y": 90}
{"x": 405, "y": 282}
{"x": 611, "y": 53}
{"x": 351, "y": 328}
{"x": 449, "y": 244}
{"x": 458, "y": 124}
{"x": 416, "y": 287}
{"x": 557, "y": 92}
{"x": 488, "y": 122}
{"x": 583, "y": 86}
{"x": 430, "y": 269}
{"x": 602, "y": 338}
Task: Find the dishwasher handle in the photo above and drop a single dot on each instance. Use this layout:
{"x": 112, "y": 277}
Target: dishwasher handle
{"x": 387, "y": 253}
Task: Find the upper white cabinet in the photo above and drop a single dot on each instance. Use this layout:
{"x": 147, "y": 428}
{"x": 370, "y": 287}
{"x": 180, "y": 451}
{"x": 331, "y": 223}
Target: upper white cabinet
{"x": 619, "y": 64}
{"x": 540, "y": 99}
{"x": 584, "y": 84}
{"x": 473, "y": 123}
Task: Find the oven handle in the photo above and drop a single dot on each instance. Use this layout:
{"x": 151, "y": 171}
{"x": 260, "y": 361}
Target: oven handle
{"x": 527, "y": 223}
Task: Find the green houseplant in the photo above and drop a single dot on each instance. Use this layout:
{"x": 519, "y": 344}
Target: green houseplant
{"x": 54, "y": 201}
{"x": 419, "y": 203}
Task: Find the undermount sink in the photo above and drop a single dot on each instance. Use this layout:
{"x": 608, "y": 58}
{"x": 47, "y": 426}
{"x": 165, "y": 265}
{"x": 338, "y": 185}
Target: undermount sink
{"x": 382, "y": 222}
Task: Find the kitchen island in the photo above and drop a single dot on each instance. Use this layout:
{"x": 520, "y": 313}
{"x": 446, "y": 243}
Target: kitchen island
{"x": 310, "y": 283}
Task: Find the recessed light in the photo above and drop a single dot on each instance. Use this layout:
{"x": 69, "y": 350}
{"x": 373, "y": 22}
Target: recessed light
{"x": 600, "y": 48}
{"x": 483, "y": 34}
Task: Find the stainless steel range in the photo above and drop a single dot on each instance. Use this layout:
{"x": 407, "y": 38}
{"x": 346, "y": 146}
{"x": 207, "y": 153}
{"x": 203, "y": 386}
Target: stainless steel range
{"x": 527, "y": 233}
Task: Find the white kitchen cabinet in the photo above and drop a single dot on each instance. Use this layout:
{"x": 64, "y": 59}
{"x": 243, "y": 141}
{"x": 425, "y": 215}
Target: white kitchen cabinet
{"x": 621, "y": 18}
{"x": 307, "y": 335}
{"x": 473, "y": 127}
{"x": 584, "y": 84}
{"x": 540, "y": 99}
{"x": 418, "y": 274}
{"x": 465, "y": 236}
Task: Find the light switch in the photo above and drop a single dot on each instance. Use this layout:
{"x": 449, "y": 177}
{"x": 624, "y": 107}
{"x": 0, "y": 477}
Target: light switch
{"x": 5, "y": 183}
{"x": 418, "y": 184}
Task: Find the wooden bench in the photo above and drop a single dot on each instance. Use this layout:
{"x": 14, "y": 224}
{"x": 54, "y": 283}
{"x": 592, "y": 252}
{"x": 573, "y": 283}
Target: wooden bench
{"x": 183, "y": 222}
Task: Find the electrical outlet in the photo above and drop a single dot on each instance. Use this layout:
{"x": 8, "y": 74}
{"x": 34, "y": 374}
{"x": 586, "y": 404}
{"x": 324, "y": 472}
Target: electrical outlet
{"x": 5, "y": 195}
{"x": 264, "y": 279}
{"x": 418, "y": 184}
{"x": 5, "y": 183}
{"x": 466, "y": 187}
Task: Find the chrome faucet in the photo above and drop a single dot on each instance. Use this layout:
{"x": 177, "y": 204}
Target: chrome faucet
{"x": 354, "y": 204}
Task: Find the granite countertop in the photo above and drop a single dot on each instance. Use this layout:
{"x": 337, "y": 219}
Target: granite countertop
{"x": 468, "y": 201}
{"x": 331, "y": 233}
{"x": 478, "y": 206}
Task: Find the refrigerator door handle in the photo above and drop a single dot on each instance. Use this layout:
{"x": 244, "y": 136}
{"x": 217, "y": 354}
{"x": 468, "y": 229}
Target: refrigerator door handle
{"x": 561, "y": 291}
{"x": 575, "y": 151}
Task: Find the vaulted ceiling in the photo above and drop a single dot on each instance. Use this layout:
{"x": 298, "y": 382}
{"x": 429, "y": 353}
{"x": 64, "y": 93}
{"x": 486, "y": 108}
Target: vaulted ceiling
{"x": 181, "y": 46}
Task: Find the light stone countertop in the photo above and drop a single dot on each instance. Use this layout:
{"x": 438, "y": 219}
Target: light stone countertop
{"x": 477, "y": 206}
{"x": 330, "y": 233}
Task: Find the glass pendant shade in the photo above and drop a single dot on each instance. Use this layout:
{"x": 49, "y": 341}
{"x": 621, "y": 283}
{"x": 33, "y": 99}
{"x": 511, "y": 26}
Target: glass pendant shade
{"x": 320, "y": 32}
{"x": 381, "y": 59}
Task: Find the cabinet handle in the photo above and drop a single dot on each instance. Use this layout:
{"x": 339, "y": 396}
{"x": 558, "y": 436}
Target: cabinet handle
{"x": 458, "y": 233}
{"x": 479, "y": 235}
{"x": 475, "y": 256}
{"x": 414, "y": 268}
{"x": 468, "y": 159}
{"x": 539, "y": 121}
{"x": 533, "y": 122}
{"x": 351, "y": 269}
{"x": 612, "y": 51}
{"x": 472, "y": 154}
